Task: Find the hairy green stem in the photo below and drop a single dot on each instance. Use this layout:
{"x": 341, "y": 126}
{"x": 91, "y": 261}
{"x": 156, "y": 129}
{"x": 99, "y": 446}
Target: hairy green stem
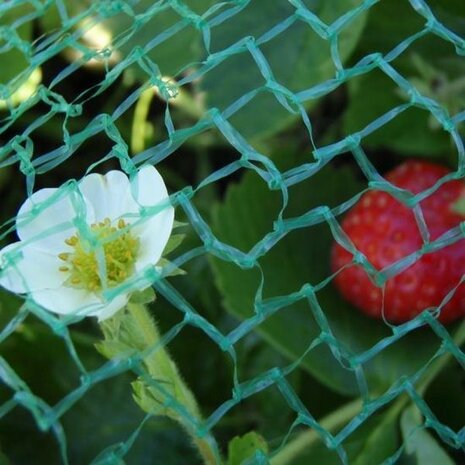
{"x": 160, "y": 390}
{"x": 139, "y": 122}
{"x": 161, "y": 366}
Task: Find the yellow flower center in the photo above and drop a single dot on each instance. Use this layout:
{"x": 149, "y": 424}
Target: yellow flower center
{"x": 116, "y": 248}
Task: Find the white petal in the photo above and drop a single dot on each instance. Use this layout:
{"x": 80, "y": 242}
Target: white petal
{"x": 45, "y": 219}
{"x": 109, "y": 309}
{"x": 66, "y": 300}
{"x": 70, "y": 301}
{"x": 153, "y": 232}
{"x": 153, "y": 235}
{"x": 110, "y": 195}
{"x": 148, "y": 187}
{"x": 26, "y": 269}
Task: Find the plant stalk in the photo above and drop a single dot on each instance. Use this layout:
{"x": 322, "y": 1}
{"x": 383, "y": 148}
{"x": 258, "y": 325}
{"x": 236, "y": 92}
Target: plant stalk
{"x": 139, "y": 122}
{"x": 304, "y": 440}
{"x": 161, "y": 367}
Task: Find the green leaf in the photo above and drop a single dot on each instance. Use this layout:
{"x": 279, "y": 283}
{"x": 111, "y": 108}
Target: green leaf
{"x": 431, "y": 64}
{"x": 372, "y": 442}
{"x": 122, "y": 336}
{"x": 245, "y": 447}
{"x": 179, "y": 224}
{"x": 173, "y": 270}
{"x": 172, "y": 55}
{"x": 298, "y": 59}
{"x": 14, "y": 61}
{"x": 174, "y": 242}
{"x": 4, "y": 459}
{"x": 105, "y": 414}
{"x": 149, "y": 400}
{"x": 382, "y": 34}
{"x": 448, "y": 404}
{"x": 409, "y": 133}
{"x": 143, "y": 297}
{"x": 137, "y": 25}
{"x": 52, "y": 21}
{"x": 93, "y": 424}
{"x": 420, "y": 447}
{"x": 256, "y": 358}
{"x": 303, "y": 256}
{"x": 379, "y": 441}
{"x": 9, "y": 306}
{"x": 14, "y": 58}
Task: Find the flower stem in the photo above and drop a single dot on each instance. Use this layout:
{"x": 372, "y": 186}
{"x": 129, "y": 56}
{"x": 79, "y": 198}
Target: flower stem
{"x": 162, "y": 367}
{"x": 135, "y": 330}
{"x": 139, "y": 123}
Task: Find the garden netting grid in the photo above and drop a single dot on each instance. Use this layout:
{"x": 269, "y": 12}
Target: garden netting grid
{"x": 19, "y": 150}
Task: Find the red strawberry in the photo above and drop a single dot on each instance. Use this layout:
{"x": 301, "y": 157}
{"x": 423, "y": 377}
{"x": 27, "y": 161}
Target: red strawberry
{"x": 385, "y": 231}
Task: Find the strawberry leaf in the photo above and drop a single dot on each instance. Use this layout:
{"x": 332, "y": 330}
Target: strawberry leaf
{"x": 14, "y": 62}
{"x": 242, "y": 448}
{"x": 372, "y": 442}
{"x": 367, "y": 103}
{"x": 420, "y": 447}
{"x": 295, "y": 67}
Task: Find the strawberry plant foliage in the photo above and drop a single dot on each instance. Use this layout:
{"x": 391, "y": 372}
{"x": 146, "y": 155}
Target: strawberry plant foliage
{"x": 420, "y": 446}
{"x": 244, "y": 448}
{"x": 289, "y": 265}
{"x": 367, "y": 103}
{"x": 297, "y": 68}
{"x": 429, "y": 64}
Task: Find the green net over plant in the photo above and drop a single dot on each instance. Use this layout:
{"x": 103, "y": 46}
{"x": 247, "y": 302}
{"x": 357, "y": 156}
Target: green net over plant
{"x": 267, "y": 120}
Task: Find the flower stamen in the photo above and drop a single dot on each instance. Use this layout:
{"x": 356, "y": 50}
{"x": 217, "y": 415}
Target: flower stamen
{"x": 118, "y": 248}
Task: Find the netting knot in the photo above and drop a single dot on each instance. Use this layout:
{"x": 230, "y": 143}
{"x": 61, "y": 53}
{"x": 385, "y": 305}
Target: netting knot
{"x": 225, "y": 344}
{"x": 74, "y": 109}
{"x": 448, "y": 124}
{"x": 359, "y": 258}
{"x": 86, "y": 381}
{"x": 275, "y": 182}
{"x": 307, "y": 290}
{"x": 247, "y": 262}
{"x": 5, "y": 93}
{"x": 310, "y": 18}
{"x": 275, "y": 374}
{"x": 431, "y": 24}
{"x": 183, "y": 196}
{"x": 103, "y": 54}
{"x": 198, "y": 22}
{"x": 353, "y": 141}
{"x": 24, "y": 153}
{"x": 108, "y": 8}
{"x": 167, "y": 88}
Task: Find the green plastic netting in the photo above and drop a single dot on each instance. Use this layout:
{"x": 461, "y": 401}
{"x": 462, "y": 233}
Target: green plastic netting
{"x": 268, "y": 119}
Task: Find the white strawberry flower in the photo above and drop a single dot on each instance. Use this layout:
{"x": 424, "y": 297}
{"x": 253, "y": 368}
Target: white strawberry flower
{"x": 80, "y": 242}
